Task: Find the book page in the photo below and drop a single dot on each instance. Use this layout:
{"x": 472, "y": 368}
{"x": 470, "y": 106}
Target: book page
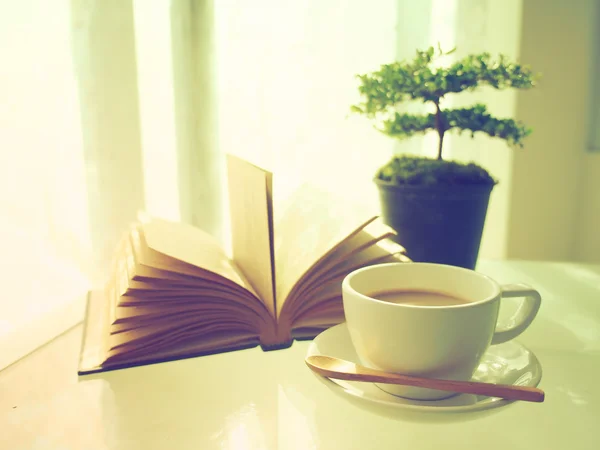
{"x": 336, "y": 260}
{"x": 250, "y": 202}
{"x": 314, "y": 222}
{"x": 183, "y": 243}
{"x": 367, "y": 237}
{"x": 382, "y": 251}
{"x": 323, "y": 307}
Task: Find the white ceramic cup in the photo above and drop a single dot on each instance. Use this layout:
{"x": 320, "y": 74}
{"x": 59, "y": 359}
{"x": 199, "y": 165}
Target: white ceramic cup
{"x": 445, "y": 342}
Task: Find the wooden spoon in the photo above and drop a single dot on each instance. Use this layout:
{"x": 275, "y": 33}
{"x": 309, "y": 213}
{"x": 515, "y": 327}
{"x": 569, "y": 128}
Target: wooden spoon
{"x": 340, "y": 369}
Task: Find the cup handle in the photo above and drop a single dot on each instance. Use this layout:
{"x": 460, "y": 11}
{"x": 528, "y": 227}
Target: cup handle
{"x": 524, "y": 315}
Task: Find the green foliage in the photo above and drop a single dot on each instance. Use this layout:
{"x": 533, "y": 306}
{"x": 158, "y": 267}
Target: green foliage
{"x": 393, "y": 84}
{"x": 411, "y": 170}
{"x": 418, "y": 79}
{"x": 475, "y": 119}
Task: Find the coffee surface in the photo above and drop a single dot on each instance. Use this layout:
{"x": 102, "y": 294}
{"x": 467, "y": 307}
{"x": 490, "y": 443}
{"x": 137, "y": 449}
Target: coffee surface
{"x": 419, "y": 298}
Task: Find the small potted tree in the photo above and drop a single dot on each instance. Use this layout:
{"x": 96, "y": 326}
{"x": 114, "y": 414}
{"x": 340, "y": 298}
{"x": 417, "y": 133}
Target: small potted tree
{"x": 438, "y": 207}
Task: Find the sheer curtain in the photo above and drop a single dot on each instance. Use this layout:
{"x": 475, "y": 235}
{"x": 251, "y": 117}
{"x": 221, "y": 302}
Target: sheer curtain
{"x": 112, "y": 106}
{"x": 44, "y": 239}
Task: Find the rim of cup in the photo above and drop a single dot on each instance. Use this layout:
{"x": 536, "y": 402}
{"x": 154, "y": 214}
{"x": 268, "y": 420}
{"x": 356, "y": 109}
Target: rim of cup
{"x": 496, "y": 291}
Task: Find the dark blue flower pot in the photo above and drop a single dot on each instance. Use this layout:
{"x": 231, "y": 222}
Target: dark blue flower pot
{"x": 437, "y": 224}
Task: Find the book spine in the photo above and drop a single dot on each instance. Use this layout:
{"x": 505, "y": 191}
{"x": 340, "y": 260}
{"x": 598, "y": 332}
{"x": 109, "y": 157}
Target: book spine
{"x": 278, "y": 334}
{"x": 268, "y": 348}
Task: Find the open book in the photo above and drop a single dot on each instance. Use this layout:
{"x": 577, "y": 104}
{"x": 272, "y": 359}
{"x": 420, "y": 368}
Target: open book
{"x": 175, "y": 293}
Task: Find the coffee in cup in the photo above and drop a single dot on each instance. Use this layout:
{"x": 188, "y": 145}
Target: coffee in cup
{"x": 418, "y": 298}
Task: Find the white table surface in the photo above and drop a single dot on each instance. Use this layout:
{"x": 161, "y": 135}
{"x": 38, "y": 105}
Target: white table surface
{"x": 250, "y": 399}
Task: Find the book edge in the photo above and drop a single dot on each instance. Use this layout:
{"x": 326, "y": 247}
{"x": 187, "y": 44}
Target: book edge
{"x": 87, "y": 334}
{"x": 93, "y": 334}
{"x": 101, "y": 369}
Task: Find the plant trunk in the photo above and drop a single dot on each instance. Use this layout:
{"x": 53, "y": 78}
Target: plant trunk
{"x": 439, "y": 126}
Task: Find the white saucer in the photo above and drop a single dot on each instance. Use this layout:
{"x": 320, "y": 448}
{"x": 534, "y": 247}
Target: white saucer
{"x": 509, "y": 363}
